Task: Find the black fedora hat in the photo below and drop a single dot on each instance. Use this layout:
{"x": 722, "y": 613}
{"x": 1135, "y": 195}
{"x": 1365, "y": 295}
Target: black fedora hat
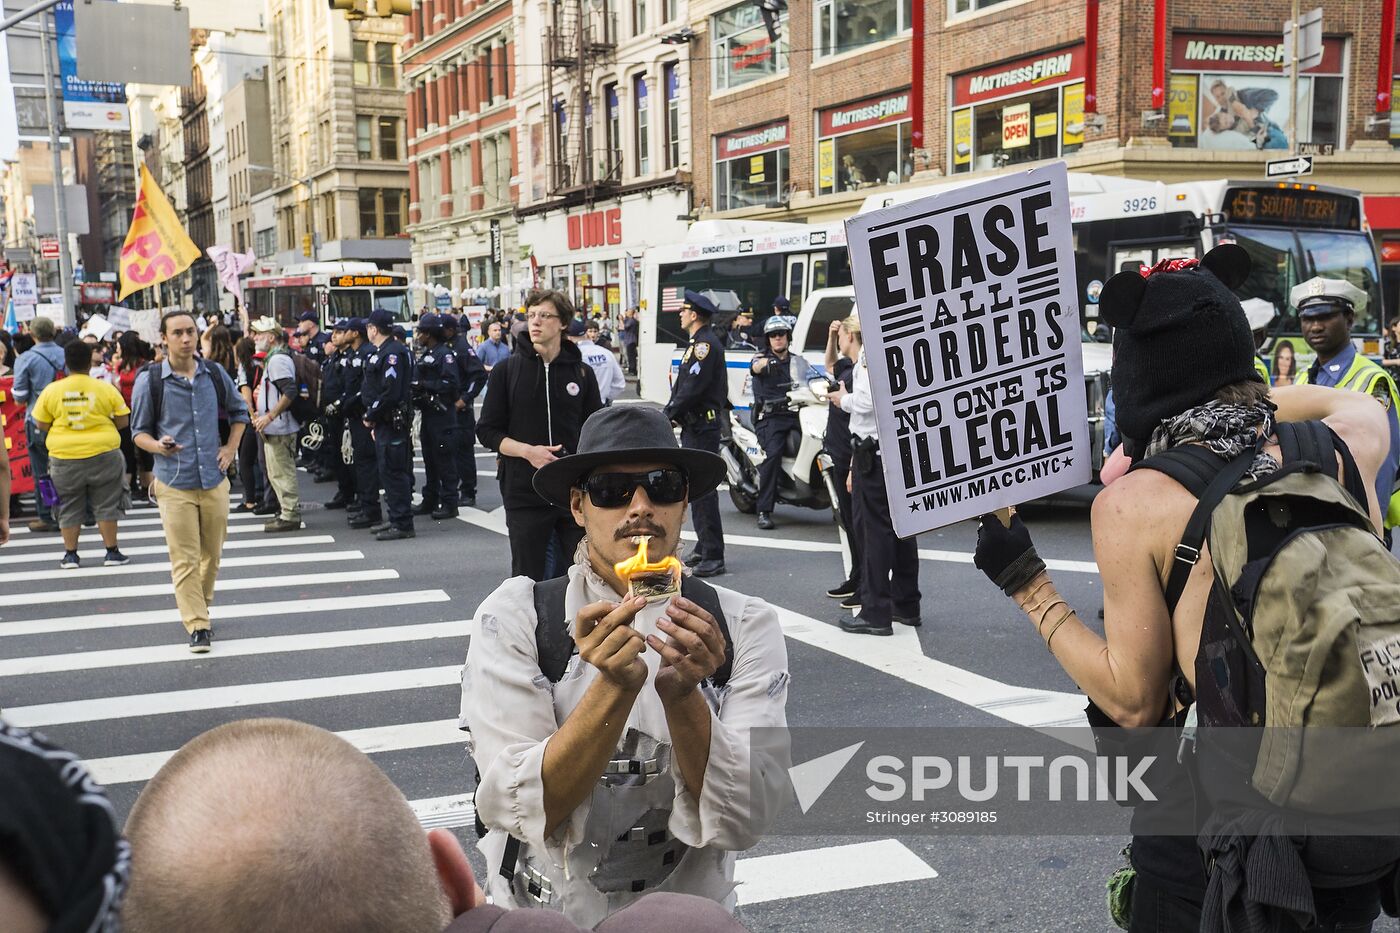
{"x": 628, "y": 434}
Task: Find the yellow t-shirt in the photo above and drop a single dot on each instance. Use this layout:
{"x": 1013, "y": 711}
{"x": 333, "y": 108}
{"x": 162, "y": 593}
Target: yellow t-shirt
{"x": 79, "y": 411}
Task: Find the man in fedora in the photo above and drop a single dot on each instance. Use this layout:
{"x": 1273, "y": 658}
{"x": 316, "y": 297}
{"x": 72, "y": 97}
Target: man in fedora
{"x": 608, "y": 764}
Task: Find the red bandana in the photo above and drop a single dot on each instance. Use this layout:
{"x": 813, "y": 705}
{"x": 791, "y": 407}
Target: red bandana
{"x": 1168, "y": 265}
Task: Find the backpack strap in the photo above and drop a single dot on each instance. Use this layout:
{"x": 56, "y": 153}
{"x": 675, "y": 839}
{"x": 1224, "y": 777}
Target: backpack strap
{"x": 1191, "y": 465}
{"x": 555, "y": 644}
{"x": 1188, "y": 552}
{"x": 155, "y": 386}
{"x": 1314, "y": 442}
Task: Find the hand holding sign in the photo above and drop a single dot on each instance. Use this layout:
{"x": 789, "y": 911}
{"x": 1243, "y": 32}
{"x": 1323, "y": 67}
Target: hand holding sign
{"x": 967, "y": 302}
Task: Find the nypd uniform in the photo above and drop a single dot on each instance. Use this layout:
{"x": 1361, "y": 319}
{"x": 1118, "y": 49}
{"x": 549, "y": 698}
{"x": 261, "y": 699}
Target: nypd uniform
{"x": 1350, "y": 370}
{"x": 333, "y": 378}
{"x": 773, "y": 419}
{"x": 471, "y": 379}
{"x": 365, "y": 460}
{"x": 699, "y": 399}
{"x": 385, "y": 394}
{"x": 435, "y": 394}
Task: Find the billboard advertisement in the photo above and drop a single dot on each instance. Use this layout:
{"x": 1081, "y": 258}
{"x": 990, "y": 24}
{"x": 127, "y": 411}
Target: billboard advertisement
{"x": 87, "y": 105}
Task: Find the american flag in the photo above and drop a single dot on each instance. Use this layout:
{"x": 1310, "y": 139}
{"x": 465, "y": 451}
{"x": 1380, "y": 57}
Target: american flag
{"x": 672, "y": 300}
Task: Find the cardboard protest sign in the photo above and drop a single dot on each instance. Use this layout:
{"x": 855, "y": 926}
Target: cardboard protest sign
{"x": 967, "y": 301}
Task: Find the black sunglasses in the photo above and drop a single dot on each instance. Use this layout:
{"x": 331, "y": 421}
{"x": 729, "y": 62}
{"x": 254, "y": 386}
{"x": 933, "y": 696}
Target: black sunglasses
{"x": 615, "y": 490}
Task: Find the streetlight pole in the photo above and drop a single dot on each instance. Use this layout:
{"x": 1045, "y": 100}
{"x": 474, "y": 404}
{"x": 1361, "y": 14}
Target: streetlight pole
{"x": 65, "y": 260}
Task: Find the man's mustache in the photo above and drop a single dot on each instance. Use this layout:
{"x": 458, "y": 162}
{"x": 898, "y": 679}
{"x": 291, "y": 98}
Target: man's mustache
{"x": 633, "y": 530}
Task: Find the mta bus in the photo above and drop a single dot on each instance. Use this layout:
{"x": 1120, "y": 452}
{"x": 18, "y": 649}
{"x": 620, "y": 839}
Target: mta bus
{"x": 332, "y": 289}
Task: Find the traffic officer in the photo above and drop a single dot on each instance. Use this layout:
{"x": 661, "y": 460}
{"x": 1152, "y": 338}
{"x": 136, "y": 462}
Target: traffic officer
{"x": 781, "y": 306}
{"x": 314, "y": 340}
{"x": 471, "y": 379}
{"x": 699, "y": 399}
{"x": 774, "y": 370}
{"x": 333, "y": 380}
{"x": 435, "y": 392}
{"x": 1260, "y": 313}
{"x": 1327, "y": 309}
{"x": 388, "y": 413}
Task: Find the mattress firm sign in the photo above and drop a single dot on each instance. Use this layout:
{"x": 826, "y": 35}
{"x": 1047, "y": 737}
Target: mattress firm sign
{"x": 967, "y": 302}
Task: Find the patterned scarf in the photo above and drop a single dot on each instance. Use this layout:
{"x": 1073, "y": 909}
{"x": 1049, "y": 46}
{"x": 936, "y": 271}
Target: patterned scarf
{"x": 1224, "y": 429}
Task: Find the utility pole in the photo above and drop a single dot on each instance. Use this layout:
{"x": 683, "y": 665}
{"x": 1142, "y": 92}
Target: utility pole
{"x": 65, "y": 259}
{"x": 1293, "y": 83}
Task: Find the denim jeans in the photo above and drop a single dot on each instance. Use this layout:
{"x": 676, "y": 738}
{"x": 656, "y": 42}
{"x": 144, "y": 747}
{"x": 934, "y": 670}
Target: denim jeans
{"x": 39, "y": 463}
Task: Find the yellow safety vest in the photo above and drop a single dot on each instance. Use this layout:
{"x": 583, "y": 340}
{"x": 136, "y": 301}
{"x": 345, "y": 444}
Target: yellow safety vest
{"x": 1364, "y": 376}
{"x": 1262, "y": 370}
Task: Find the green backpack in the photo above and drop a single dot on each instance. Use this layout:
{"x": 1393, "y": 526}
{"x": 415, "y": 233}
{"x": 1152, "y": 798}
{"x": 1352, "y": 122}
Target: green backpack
{"x": 1302, "y": 625}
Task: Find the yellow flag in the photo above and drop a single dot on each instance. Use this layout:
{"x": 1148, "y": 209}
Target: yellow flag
{"x": 157, "y": 247}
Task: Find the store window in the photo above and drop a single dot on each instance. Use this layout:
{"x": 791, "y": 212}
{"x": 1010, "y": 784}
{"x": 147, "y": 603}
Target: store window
{"x": 1018, "y": 111}
{"x": 743, "y": 49}
{"x": 864, "y": 144}
{"x": 968, "y": 6}
{"x": 673, "y": 115}
{"x": 613, "y": 285}
{"x": 1227, "y": 92}
{"x": 843, "y": 25}
{"x": 751, "y": 167}
{"x": 642, "y": 125}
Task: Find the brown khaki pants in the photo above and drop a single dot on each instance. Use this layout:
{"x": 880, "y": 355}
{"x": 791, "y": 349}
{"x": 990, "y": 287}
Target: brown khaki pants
{"x": 196, "y": 523}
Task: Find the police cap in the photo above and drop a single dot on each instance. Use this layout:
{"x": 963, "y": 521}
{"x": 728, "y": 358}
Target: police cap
{"x": 381, "y": 319}
{"x": 342, "y": 324}
{"x": 430, "y": 323}
{"x": 449, "y": 321}
{"x": 1319, "y": 297}
{"x": 309, "y": 315}
{"x": 782, "y": 304}
{"x": 357, "y": 324}
{"x": 699, "y": 303}
{"x": 577, "y": 328}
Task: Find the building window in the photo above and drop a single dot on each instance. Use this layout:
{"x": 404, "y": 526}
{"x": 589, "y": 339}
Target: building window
{"x": 967, "y": 6}
{"x": 751, "y": 167}
{"x": 613, "y": 168}
{"x": 490, "y": 76}
{"x": 671, "y": 10}
{"x": 866, "y": 143}
{"x": 743, "y": 51}
{"x": 673, "y": 114}
{"x": 389, "y": 139}
{"x": 587, "y": 128}
{"x": 328, "y": 224}
{"x": 1241, "y": 102}
{"x": 266, "y": 241}
{"x": 364, "y": 143}
{"x": 381, "y": 212}
{"x": 386, "y": 71}
{"x": 394, "y": 209}
{"x": 1020, "y": 111}
{"x": 843, "y": 25}
{"x": 495, "y": 170}
{"x": 639, "y": 17}
{"x": 643, "y": 125}
{"x": 561, "y": 146}
{"x": 505, "y": 72}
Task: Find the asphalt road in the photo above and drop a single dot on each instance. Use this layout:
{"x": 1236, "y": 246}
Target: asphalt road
{"x": 367, "y": 639}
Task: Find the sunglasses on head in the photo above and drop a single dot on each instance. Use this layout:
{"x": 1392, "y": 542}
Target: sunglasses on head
{"x": 615, "y": 490}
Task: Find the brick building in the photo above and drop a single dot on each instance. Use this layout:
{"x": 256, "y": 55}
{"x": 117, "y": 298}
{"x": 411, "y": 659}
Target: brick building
{"x": 459, "y": 68}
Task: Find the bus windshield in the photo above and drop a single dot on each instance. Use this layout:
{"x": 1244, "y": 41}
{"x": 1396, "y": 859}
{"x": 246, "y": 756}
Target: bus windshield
{"x": 1283, "y": 258}
{"x": 349, "y": 302}
{"x": 395, "y": 301}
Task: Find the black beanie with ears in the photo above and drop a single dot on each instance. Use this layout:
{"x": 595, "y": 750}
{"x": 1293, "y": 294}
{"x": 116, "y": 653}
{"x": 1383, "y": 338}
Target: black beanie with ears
{"x": 1180, "y": 335}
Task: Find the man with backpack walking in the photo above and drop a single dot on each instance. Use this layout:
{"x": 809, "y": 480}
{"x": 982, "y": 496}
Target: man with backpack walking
{"x": 175, "y": 409}
{"x": 276, "y": 424}
{"x": 1244, "y": 512}
{"x": 627, "y": 773}
{"x": 35, "y": 368}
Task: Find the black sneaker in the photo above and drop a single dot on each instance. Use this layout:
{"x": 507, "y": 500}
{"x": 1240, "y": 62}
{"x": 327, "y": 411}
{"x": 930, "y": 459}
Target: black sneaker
{"x": 426, "y": 507}
{"x": 467, "y": 502}
{"x": 444, "y": 513}
{"x": 362, "y": 520}
{"x": 115, "y": 558}
{"x": 200, "y": 639}
{"x": 380, "y": 526}
{"x": 265, "y": 509}
{"x": 339, "y": 502}
{"x": 693, "y": 560}
{"x": 393, "y": 533}
{"x": 860, "y": 626}
{"x": 765, "y": 521}
{"x": 70, "y": 561}
{"x": 851, "y": 602}
{"x": 709, "y": 568}
{"x": 911, "y": 621}
{"x": 842, "y": 590}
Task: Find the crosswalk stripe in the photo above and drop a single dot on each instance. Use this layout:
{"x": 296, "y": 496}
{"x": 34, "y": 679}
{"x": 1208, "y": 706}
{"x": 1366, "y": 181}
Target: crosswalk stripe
{"x": 447, "y": 812}
{"x": 164, "y": 589}
{"x": 34, "y": 576}
{"x": 143, "y": 550}
{"x": 143, "y": 520}
{"x": 131, "y": 769}
{"x": 90, "y": 534}
{"x": 100, "y": 709}
{"x": 765, "y": 878}
{"x": 233, "y": 648}
{"x": 217, "y": 612}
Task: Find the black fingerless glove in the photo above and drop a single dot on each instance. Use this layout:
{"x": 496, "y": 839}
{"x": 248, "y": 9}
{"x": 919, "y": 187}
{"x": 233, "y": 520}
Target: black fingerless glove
{"x": 1006, "y": 555}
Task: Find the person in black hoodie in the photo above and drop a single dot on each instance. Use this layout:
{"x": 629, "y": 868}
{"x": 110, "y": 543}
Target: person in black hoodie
{"x": 536, "y": 404}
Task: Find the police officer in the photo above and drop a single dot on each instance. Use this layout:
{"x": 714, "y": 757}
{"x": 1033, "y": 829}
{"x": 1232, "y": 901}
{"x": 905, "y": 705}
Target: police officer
{"x": 1327, "y": 309}
{"x": 699, "y": 399}
{"x": 365, "y": 512}
{"x": 471, "y": 379}
{"x": 314, "y": 339}
{"x": 333, "y": 382}
{"x": 388, "y": 413}
{"x": 435, "y": 393}
{"x": 774, "y": 370}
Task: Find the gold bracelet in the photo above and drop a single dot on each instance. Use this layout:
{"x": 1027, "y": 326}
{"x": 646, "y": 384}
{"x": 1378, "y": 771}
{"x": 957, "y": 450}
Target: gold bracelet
{"x": 1043, "y": 584}
{"x": 1040, "y": 624}
{"x": 1056, "y": 627}
{"x": 1048, "y": 600}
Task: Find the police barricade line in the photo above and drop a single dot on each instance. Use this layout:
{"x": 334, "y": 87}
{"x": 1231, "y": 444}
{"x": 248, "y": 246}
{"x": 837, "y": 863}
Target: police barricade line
{"x": 234, "y": 648}
{"x": 145, "y": 534}
{"x": 226, "y": 611}
{"x": 132, "y": 769}
{"x": 101, "y": 709}
{"x": 763, "y": 878}
{"x": 97, "y": 554}
{"x": 145, "y": 521}
{"x": 164, "y": 589}
{"x": 902, "y": 656}
{"x": 34, "y": 576}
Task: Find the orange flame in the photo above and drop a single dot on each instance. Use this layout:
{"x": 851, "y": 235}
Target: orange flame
{"x": 638, "y": 563}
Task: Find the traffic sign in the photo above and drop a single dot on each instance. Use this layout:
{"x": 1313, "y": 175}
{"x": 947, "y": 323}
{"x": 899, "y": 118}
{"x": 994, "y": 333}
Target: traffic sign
{"x": 1316, "y": 149}
{"x": 1298, "y": 165}
{"x": 48, "y": 247}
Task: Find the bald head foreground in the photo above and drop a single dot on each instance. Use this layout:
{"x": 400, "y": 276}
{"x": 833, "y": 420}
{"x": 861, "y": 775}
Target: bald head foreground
{"x": 281, "y": 827}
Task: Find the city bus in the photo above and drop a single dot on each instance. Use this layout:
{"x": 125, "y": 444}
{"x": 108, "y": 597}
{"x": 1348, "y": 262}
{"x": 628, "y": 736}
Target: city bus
{"x": 332, "y": 289}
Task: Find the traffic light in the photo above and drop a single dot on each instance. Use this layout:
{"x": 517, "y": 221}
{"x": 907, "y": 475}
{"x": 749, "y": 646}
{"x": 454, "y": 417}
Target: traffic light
{"x": 354, "y": 9}
{"x": 393, "y": 7}
{"x": 359, "y": 9}
{"x": 306, "y": 245}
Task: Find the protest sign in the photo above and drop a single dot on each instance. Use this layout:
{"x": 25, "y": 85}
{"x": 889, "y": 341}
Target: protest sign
{"x": 119, "y": 317}
{"x": 25, "y": 312}
{"x": 967, "y": 301}
{"x": 24, "y": 288}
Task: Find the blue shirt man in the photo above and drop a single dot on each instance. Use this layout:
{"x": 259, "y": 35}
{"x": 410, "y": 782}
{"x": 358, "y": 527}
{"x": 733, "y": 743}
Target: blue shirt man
{"x": 493, "y": 349}
{"x": 189, "y": 415}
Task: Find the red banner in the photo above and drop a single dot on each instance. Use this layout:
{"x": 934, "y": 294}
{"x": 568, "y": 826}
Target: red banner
{"x": 751, "y": 141}
{"x": 1022, "y": 76}
{"x": 863, "y": 114}
{"x": 1222, "y": 52}
{"x": 16, "y": 443}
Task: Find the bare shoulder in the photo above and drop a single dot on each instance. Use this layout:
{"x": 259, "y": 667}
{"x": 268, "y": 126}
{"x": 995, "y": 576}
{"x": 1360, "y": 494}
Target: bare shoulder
{"x": 1144, "y": 511}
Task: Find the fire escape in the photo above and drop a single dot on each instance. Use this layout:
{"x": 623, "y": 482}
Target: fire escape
{"x": 581, "y": 34}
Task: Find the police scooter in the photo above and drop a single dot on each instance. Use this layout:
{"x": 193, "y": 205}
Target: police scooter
{"x": 804, "y": 481}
